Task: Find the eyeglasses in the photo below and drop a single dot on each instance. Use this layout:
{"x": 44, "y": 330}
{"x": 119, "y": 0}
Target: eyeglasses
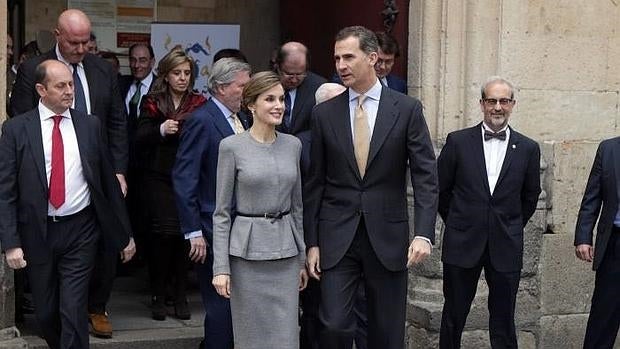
{"x": 491, "y": 102}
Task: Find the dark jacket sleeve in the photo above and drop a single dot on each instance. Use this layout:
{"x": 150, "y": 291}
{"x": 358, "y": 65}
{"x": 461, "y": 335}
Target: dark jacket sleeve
{"x": 591, "y": 202}
{"x": 9, "y": 237}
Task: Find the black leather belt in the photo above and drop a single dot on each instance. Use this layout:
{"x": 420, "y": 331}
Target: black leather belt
{"x": 56, "y": 219}
{"x": 275, "y": 215}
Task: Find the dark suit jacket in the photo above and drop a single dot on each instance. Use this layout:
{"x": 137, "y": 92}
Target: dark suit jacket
{"x": 24, "y": 186}
{"x": 602, "y": 190}
{"x": 396, "y": 83}
{"x": 105, "y": 101}
{"x": 195, "y": 169}
{"x": 304, "y": 102}
{"x": 337, "y": 196}
{"x": 474, "y": 217}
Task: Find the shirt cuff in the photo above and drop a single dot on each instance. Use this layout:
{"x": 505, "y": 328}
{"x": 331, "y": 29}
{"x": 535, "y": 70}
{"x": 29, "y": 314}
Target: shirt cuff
{"x": 425, "y": 239}
{"x": 161, "y": 131}
{"x": 193, "y": 234}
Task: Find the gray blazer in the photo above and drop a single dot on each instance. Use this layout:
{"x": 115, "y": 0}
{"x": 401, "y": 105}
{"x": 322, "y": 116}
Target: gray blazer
{"x": 257, "y": 178}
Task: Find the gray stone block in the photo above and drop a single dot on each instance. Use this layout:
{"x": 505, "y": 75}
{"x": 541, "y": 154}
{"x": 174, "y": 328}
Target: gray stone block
{"x": 566, "y": 282}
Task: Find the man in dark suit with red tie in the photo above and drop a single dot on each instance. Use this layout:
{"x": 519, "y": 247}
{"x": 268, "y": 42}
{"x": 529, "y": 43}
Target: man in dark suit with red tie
{"x": 355, "y": 211}
{"x": 96, "y": 93}
{"x": 489, "y": 182}
{"x": 600, "y": 202}
{"x": 58, "y": 194}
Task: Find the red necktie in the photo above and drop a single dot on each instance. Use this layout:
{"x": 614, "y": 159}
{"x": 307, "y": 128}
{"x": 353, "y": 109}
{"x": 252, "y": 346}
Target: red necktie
{"x": 57, "y": 175}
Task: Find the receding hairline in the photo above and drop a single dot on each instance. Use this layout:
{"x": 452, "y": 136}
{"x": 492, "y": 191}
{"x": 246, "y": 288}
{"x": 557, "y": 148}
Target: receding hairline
{"x": 73, "y": 19}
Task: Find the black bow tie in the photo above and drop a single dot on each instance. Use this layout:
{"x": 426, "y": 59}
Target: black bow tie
{"x": 501, "y": 135}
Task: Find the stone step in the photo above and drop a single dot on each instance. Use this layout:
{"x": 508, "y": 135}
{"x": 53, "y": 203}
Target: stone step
{"x": 178, "y": 338}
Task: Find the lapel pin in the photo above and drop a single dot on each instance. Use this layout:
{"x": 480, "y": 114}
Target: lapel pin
{"x": 514, "y": 146}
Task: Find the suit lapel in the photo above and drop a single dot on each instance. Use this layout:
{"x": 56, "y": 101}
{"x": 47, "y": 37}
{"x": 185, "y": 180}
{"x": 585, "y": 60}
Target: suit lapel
{"x": 82, "y": 135}
{"x": 511, "y": 149}
{"x": 387, "y": 114}
{"x": 300, "y": 99}
{"x": 478, "y": 154}
{"x": 33, "y": 128}
{"x": 341, "y": 126}
{"x": 90, "y": 69}
{"x": 219, "y": 120}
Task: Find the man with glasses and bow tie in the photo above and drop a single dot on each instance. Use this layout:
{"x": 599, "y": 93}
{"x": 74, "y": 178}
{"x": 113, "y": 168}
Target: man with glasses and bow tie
{"x": 489, "y": 182}
{"x": 299, "y": 84}
{"x": 58, "y": 195}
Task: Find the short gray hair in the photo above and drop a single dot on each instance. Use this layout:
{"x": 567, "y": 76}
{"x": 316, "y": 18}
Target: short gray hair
{"x": 328, "y": 91}
{"x": 223, "y": 73}
{"x": 494, "y": 80}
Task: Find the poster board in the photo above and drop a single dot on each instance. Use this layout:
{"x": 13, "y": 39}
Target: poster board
{"x": 200, "y": 41}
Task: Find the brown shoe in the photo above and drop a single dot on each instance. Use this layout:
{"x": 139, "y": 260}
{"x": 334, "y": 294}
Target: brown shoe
{"x": 100, "y": 326}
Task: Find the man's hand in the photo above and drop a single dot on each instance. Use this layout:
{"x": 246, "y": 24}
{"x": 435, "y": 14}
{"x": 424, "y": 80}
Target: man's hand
{"x": 585, "y": 252}
{"x": 122, "y": 182}
{"x": 313, "y": 263}
{"x": 418, "y": 251}
{"x": 303, "y": 279}
{"x": 15, "y": 258}
{"x": 222, "y": 285}
{"x": 128, "y": 252}
{"x": 198, "y": 249}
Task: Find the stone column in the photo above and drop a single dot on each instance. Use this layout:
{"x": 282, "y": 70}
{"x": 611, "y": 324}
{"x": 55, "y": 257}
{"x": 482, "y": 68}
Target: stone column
{"x": 9, "y": 334}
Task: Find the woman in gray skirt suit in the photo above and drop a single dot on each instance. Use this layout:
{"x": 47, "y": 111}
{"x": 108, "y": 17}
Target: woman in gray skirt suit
{"x": 258, "y": 245}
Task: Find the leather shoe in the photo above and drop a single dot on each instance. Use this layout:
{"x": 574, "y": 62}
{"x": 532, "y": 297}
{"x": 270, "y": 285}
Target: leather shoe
{"x": 181, "y": 311}
{"x": 158, "y": 310}
{"x": 100, "y": 326}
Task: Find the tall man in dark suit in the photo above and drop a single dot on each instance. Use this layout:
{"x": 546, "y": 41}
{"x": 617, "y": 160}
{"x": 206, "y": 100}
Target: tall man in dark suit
{"x": 194, "y": 175}
{"x": 356, "y": 221}
{"x": 96, "y": 93}
{"x": 58, "y": 194}
{"x": 299, "y": 84}
{"x": 489, "y": 182}
{"x": 132, "y": 88}
{"x": 601, "y": 196}
{"x": 389, "y": 51}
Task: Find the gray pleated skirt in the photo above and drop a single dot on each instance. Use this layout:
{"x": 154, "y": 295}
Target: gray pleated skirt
{"x": 264, "y": 303}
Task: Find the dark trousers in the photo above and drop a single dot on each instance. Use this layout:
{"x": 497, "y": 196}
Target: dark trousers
{"x": 459, "y": 289}
{"x": 604, "y": 318}
{"x": 310, "y": 324}
{"x": 60, "y": 287}
{"x": 386, "y": 293}
{"x": 218, "y": 321}
{"x": 102, "y": 278}
{"x": 170, "y": 262}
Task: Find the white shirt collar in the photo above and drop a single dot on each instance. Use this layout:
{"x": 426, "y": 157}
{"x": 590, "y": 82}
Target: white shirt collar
{"x": 146, "y": 82}
{"x": 46, "y": 113}
{"x": 62, "y": 59}
{"x": 227, "y": 112}
{"x": 373, "y": 93}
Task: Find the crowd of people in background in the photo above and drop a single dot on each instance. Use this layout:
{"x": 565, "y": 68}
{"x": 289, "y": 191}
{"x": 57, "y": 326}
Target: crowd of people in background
{"x": 281, "y": 190}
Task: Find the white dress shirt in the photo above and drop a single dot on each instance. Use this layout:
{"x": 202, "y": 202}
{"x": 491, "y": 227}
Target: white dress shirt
{"x": 82, "y": 75}
{"x": 370, "y": 106}
{"x": 144, "y": 89}
{"x": 494, "y": 154}
{"x": 77, "y": 195}
{"x": 293, "y": 94}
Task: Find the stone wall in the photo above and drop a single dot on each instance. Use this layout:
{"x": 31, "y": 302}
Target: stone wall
{"x": 563, "y": 58}
{"x": 260, "y": 34}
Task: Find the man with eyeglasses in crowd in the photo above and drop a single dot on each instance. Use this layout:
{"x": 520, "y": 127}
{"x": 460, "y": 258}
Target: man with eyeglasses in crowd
{"x": 489, "y": 182}
{"x": 299, "y": 84}
{"x": 388, "y": 52}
